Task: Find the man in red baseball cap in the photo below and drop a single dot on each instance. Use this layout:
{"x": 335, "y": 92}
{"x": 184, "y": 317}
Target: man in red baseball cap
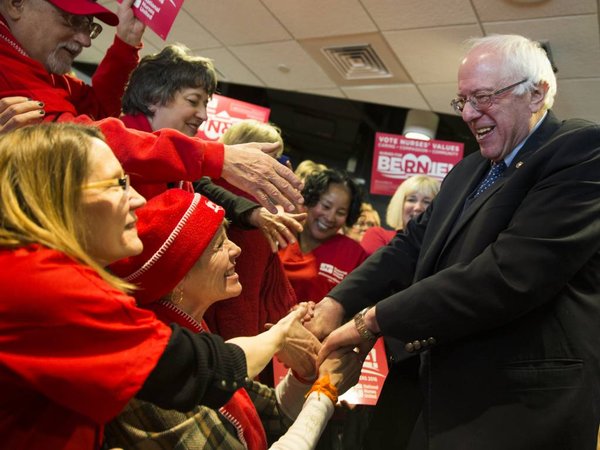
{"x": 54, "y": 32}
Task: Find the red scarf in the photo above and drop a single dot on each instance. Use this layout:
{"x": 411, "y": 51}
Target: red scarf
{"x": 240, "y": 410}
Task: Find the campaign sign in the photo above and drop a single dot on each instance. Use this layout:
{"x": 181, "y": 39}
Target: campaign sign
{"x": 370, "y": 383}
{"x": 396, "y": 158}
{"x": 158, "y": 15}
{"x": 223, "y": 112}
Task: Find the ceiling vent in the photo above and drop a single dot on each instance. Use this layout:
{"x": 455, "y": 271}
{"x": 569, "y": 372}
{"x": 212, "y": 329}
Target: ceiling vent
{"x": 357, "y": 62}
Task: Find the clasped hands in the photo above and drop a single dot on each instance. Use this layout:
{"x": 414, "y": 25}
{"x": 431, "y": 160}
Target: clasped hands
{"x": 300, "y": 349}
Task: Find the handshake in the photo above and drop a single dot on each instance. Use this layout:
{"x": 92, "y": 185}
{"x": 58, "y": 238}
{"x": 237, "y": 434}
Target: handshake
{"x": 299, "y": 350}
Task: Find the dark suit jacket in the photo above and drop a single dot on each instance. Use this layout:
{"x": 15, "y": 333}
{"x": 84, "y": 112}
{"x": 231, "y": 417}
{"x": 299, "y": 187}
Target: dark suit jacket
{"x": 509, "y": 290}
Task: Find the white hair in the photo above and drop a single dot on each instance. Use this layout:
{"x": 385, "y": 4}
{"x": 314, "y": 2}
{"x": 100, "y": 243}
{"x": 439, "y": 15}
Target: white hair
{"x": 524, "y": 58}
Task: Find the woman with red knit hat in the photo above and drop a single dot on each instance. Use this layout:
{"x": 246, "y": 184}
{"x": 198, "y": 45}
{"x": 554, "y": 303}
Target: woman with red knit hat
{"x": 74, "y": 347}
{"x": 188, "y": 263}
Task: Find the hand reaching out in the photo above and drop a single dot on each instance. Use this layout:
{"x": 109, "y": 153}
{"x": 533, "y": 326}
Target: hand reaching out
{"x": 16, "y": 112}
{"x": 249, "y": 168}
{"x": 343, "y": 367}
{"x": 300, "y": 346}
{"x": 328, "y": 316}
{"x": 279, "y": 229}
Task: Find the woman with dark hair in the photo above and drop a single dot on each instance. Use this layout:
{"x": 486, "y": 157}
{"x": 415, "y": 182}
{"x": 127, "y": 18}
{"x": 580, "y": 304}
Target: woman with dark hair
{"x": 170, "y": 90}
{"x": 322, "y": 257}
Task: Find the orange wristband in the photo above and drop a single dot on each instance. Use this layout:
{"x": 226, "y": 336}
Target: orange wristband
{"x": 324, "y": 386}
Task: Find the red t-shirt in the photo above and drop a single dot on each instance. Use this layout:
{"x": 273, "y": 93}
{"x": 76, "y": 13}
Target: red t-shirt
{"x": 314, "y": 274}
{"x": 73, "y": 351}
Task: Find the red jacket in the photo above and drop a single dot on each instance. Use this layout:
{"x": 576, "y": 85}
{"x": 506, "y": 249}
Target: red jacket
{"x": 165, "y": 156}
{"x": 73, "y": 351}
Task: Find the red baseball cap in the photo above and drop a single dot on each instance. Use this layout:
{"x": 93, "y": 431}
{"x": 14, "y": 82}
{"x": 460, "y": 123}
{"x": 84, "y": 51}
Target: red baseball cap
{"x": 87, "y": 8}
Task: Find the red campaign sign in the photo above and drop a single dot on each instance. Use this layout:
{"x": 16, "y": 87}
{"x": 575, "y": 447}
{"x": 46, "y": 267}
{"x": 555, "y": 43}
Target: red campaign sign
{"x": 224, "y": 111}
{"x": 158, "y": 15}
{"x": 370, "y": 383}
{"x": 396, "y": 158}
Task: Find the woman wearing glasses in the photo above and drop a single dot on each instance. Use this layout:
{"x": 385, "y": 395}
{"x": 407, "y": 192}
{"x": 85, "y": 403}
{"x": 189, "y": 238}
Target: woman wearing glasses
{"x": 74, "y": 348}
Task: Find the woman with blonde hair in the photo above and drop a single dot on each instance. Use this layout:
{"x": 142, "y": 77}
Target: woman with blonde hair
{"x": 74, "y": 347}
{"x": 307, "y": 167}
{"x": 250, "y": 130}
{"x": 411, "y": 198}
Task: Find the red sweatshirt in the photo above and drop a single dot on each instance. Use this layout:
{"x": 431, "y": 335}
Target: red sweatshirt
{"x": 73, "y": 351}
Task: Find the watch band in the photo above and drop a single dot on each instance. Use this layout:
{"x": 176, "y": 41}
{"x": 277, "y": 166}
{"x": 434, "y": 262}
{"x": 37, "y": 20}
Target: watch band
{"x": 361, "y": 326}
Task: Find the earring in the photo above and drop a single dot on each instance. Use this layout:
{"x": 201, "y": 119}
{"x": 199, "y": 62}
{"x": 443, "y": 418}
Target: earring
{"x": 177, "y": 295}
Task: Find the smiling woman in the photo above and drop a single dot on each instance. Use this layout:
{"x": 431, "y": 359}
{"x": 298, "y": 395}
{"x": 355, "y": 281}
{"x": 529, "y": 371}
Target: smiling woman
{"x": 188, "y": 264}
{"x": 170, "y": 89}
{"x": 322, "y": 257}
{"x": 74, "y": 347}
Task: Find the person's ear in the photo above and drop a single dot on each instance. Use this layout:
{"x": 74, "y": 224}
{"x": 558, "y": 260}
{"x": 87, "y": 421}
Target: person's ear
{"x": 538, "y": 96}
{"x": 13, "y": 8}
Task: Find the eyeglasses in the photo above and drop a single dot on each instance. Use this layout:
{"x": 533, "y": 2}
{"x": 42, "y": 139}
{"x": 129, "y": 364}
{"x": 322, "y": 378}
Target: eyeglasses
{"x": 84, "y": 24}
{"x": 113, "y": 182}
{"x": 481, "y": 102}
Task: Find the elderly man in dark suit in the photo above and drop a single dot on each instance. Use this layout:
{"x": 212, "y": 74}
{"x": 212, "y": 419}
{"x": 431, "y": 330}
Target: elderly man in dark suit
{"x": 497, "y": 284}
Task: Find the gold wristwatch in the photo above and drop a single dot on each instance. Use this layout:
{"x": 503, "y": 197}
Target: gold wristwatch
{"x": 361, "y": 326}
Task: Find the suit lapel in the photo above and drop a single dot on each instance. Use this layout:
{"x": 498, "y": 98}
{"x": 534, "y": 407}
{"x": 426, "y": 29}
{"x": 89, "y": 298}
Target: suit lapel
{"x": 448, "y": 209}
{"x": 458, "y": 220}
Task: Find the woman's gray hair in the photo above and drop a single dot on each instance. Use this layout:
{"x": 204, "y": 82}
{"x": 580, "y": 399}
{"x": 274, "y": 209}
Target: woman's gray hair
{"x": 158, "y": 77}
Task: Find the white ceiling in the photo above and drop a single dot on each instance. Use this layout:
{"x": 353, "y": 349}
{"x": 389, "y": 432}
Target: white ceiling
{"x": 267, "y": 43}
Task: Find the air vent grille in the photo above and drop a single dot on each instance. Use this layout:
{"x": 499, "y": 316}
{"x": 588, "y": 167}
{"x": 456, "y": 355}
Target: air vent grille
{"x": 357, "y": 62}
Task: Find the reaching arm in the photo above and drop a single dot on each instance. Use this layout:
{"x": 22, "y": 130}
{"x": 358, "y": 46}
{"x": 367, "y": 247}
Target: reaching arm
{"x": 343, "y": 369}
{"x": 293, "y": 344}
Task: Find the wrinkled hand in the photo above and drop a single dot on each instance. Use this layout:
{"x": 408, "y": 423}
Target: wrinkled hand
{"x": 345, "y": 336}
{"x": 310, "y": 310}
{"x": 300, "y": 346}
{"x": 247, "y": 167}
{"x": 130, "y": 29}
{"x": 328, "y": 316}
{"x": 343, "y": 367}
{"x": 280, "y": 228}
{"x": 16, "y": 112}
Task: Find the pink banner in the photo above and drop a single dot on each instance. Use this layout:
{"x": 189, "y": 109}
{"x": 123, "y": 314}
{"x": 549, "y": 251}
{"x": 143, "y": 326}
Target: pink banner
{"x": 158, "y": 15}
{"x": 225, "y": 111}
{"x": 396, "y": 158}
{"x": 370, "y": 383}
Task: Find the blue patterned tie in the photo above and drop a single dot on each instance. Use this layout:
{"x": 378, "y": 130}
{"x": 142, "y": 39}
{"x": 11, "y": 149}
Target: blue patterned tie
{"x": 495, "y": 172}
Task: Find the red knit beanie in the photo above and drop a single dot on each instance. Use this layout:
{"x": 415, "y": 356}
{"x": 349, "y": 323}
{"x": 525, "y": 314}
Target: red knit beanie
{"x": 175, "y": 228}
{"x": 87, "y": 8}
